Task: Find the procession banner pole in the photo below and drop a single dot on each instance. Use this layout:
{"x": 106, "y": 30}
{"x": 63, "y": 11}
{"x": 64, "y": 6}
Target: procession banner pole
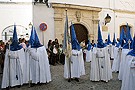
{"x": 9, "y": 63}
{"x": 70, "y": 68}
{"x": 129, "y": 41}
{"x": 29, "y": 68}
{"x": 120, "y": 53}
{"x": 68, "y": 50}
{"x": 110, "y": 50}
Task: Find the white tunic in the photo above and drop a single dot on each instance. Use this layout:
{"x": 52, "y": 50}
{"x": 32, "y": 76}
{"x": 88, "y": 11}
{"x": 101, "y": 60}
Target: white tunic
{"x": 128, "y": 81}
{"x": 88, "y": 56}
{"x": 82, "y": 68}
{"x": 109, "y": 49}
{"x": 100, "y": 67}
{"x": 77, "y": 65}
{"x": 17, "y": 68}
{"x": 39, "y": 65}
{"x": 116, "y": 61}
{"x": 112, "y": 51}
{"x": 122, "y": 63}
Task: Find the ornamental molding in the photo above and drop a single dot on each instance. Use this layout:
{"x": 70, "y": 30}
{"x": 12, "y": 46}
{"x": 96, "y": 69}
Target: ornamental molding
{"x": 78, "y": 15}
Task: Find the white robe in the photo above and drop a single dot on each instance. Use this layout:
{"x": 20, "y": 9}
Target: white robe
{"x": 122, "y": 63}
{"x": 17, "y": 67}
{"x": 39, "y": 65}
{"x": 82, "y": 68}
{"x": 88, "y": 56}
{"x": 27, "y": 53}
{"x": 128, "y": 81}
{"x": 112, "y": 51}
{"x": 116, "y": 61}
{"x": 77, "y": 65}
{"x": 109, "y": 49}
{"x": 104, "y": 73}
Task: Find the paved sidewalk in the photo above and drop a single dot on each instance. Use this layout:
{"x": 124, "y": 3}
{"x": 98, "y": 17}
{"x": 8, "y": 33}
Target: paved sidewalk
{"x": 59, "y": 83}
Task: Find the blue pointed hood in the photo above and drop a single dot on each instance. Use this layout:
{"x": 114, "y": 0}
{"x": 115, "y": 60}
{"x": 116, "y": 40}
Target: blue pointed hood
{"x": 73, "y": 35}
{"x": 126, "y": 45}
{"x": 122, "y": 37}
{"x": 128, "y": 33}
{"x": 75, "y": 44}
{"x": 109, "y": 42}
{"x": 89, "y": 46}
{"x": 32, "y": 38}
{"x": 132, "y": 52}
{"x": 117, "y": 45}
{"x": 100, "y": 43}
{"x": 95, "y": 45}
{"x": 114, "y": 41}
{"x": 78, "y": 46}
{"x": 15, "y": 44}
{"x": 36, "y": 42}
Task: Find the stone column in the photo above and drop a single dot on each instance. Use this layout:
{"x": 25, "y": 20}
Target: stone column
{"x": 95, "y": 25}
{"x": 58, "y": 24}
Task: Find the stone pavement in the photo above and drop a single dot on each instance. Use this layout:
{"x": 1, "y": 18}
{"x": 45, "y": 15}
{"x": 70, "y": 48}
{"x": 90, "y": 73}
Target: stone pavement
{"x": 59, "y": 83}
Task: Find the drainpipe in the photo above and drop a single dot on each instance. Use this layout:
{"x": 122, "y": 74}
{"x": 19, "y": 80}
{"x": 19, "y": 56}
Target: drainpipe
{"x": 114, "y": 15}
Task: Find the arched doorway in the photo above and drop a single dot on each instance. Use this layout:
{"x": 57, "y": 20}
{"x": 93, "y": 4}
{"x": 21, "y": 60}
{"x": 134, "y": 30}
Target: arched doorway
{"x": 81, "y": 32}
{"x": 125, "y": 29}
{"x": 22, "y": 32}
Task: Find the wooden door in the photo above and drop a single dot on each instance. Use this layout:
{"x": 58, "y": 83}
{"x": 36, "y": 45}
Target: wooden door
{"x": 125, "y": 29}
{"x": 81, "y": 32}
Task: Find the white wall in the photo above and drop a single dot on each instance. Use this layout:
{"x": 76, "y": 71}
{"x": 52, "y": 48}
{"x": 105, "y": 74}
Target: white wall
{"x": 120, "y": 19}
{"x": 119, "y": 4}
{"x": 20, "y": 14}
{"x": 125, "y": 4}
{"x": 42, "y": 14}
{"x": 110, "y": 25}
{"x": 95, "y": 3}
{"x": 16, "y": 0}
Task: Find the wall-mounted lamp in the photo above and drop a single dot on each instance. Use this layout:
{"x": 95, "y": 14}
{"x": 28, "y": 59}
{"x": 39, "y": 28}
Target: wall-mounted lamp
{"x": 107, "y": 19}
{"x": 30, "y": 25}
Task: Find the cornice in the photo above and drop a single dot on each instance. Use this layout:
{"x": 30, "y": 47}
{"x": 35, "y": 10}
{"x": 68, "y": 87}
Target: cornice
{"x": 89, "y": 8}
{"x": 124, "y": 11}
{"x": 26, "y": 3}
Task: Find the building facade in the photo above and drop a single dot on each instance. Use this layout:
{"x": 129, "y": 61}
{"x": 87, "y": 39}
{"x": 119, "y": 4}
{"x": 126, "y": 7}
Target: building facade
{"x": 84, "y": 14}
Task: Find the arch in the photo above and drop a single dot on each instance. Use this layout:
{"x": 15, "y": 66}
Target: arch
{"x": 7, "y": 33}
{"x": 81, "y": 32}
{"x": 125, "y": 29}
{"x": 12, "y": 26}
{"x": 83, "y": 23}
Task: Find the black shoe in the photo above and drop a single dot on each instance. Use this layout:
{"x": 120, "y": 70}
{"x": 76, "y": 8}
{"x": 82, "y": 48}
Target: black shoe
{"x": 77, "y": 79}
{"x": 69, "y": 80}
{"x": 19, "y": 86}
{"x": 32, "y": 85}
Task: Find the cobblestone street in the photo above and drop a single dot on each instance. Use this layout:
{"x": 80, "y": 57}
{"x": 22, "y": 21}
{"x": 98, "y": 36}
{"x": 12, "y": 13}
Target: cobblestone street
{"x": 59, "y": 83}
